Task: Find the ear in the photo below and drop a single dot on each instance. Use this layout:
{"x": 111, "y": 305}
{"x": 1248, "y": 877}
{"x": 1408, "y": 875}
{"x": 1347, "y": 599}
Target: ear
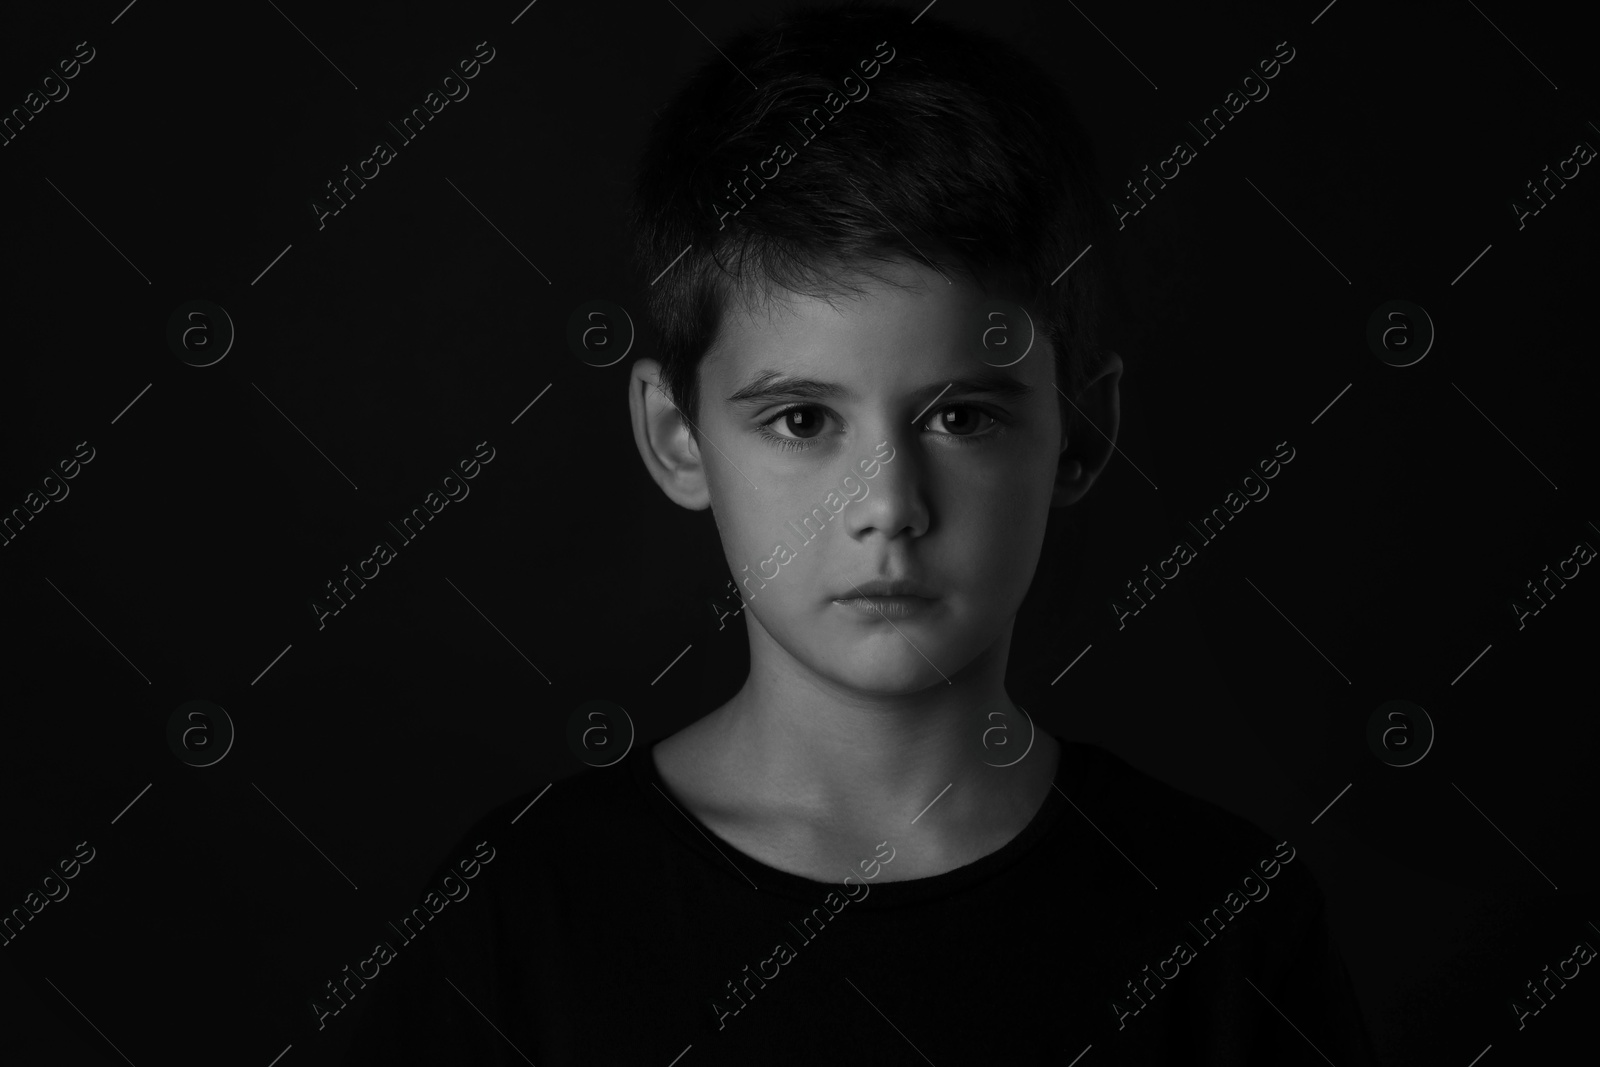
{"x": 1088, "y": 433}
{"x": 669, "y": 451}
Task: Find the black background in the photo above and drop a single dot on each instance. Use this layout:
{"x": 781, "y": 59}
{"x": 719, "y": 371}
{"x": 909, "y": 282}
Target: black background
{"x": 408, "y": 329}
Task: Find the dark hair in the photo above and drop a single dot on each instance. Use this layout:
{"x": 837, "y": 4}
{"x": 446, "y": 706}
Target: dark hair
{"x": 924, "y": 141}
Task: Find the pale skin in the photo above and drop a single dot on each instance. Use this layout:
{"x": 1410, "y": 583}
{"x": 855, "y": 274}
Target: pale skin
{"x": 852, "y": 721}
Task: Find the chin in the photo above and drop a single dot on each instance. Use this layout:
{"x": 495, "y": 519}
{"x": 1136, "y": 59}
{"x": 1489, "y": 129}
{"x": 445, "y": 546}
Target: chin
{"x": 888, "y": 672}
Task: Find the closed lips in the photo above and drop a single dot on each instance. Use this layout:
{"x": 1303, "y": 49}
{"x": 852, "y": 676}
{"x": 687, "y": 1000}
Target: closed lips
{"x": 886, "y": 589}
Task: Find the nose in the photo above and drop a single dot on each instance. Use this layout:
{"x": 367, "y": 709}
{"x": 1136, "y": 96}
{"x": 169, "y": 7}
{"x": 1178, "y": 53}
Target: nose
{"x": 896, "y": 501}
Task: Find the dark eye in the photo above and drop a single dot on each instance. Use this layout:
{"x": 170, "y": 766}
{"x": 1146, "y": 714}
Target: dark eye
{"x": 801, "y": 423}
{"x": 959, "y": 420}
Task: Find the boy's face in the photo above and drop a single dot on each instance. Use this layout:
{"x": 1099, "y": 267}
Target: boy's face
{"x": 903, "y": 476}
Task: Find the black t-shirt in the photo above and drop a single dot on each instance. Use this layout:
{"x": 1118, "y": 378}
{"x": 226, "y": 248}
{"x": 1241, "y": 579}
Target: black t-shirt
{"x": 608, "y": 926}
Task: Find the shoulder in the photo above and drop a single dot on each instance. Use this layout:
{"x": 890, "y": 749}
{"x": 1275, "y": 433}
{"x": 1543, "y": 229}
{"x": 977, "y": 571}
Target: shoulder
{"x": 1200, "y": 845}
{"x": 1146, "y": 801}
{"x": 1239, "y": 904}
{"x": 578, "y": 827}
{"x": 567, "y": 810}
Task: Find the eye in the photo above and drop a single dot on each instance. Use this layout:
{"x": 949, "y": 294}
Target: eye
{"x": 960, "y": 420}
{"x": 796, "y": 424}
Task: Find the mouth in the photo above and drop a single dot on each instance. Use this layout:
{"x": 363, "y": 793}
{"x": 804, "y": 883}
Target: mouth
{"x": 889, "y": 600}
{"x": 881, "y": 587}
{"x": 887, "y": 607}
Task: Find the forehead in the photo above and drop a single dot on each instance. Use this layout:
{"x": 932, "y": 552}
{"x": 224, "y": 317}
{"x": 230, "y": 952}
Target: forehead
{"x": 907, "y": 325}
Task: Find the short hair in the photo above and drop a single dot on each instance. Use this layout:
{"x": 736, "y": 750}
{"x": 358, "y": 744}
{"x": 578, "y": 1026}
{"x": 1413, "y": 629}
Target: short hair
{"x": 961, "y": 154}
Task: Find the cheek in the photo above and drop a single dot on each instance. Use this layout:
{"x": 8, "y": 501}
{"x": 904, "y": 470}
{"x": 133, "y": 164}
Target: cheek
{"x": 995, "y": 525}
{"x": 1001, "y": 501}
{"x": 751, "y": 523}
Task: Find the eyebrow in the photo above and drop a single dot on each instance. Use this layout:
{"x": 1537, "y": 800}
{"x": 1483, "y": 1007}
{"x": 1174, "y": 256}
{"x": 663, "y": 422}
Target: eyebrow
{"x": 771, "y": 386}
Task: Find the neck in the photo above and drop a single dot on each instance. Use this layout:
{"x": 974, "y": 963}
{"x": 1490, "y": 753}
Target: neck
{"x": 839, "y": 754}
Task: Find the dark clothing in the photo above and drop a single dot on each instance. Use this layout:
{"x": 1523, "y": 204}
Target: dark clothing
{"x": 613, "y": 928}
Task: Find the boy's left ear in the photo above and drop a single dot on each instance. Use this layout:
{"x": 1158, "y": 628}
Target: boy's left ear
{"x": 1088, "y": 432}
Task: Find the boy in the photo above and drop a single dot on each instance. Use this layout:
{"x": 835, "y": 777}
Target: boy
{"x": 869, "y": 854}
